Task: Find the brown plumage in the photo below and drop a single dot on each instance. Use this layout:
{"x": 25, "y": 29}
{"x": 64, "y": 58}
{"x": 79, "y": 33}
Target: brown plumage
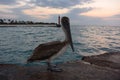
{"x": 46, "y": 50}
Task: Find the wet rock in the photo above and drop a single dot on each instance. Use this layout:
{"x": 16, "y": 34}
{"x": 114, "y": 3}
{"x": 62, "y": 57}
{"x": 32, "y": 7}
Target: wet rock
{"x": 111, "y": 60}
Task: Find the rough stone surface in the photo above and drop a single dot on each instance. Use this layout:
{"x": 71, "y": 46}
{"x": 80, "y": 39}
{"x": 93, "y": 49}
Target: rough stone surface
{"x": 111, "y": 60}
{"x": 78, "y": 70}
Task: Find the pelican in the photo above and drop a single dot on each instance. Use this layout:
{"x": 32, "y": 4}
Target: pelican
{"x": 50, "y": 50}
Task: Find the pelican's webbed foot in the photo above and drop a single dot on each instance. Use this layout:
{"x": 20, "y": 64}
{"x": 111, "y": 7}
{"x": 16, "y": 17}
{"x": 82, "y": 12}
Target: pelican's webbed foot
{"x": 54, "y": 68}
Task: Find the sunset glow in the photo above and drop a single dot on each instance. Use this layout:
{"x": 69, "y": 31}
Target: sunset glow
{"x": 89, "y": 11}
{"x": 44, "y": 12}
{"x": 103, "y": 8}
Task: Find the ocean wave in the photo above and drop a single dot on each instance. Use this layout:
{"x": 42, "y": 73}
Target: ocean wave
{"x": 17, "y": 43}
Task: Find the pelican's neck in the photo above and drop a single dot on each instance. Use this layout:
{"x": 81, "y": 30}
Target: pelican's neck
{"x": 66, "y": 37}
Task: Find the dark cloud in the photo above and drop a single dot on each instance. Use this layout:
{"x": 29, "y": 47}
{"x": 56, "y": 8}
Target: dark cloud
{"x": 7, "y": 2}
{"x": 76, "y": 18}
{"x": 118, "y": 15}
{"x": 75, "y": 13}
{"x": 80, "y": 10}
{"x": 59, "y": 3}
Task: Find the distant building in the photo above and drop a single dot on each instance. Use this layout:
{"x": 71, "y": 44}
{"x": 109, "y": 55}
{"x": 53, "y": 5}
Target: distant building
{"x": 58, "y": 25}
{"x": 59, "y": 19}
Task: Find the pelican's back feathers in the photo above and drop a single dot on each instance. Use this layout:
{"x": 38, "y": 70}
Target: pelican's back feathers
{"x": 46, "y": 50}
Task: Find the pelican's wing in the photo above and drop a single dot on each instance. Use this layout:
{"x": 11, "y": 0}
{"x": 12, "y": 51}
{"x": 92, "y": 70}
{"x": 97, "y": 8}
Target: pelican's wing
{"x": 46, "y": 50}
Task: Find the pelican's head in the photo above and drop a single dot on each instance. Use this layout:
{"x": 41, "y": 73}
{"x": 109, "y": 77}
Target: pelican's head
{"x": 66, "y": 28}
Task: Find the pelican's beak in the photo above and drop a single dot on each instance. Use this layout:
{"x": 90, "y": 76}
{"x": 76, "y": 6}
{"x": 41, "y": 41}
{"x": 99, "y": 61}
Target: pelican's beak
{"x": 70, "y": 39}
{"x": 66, "y": 26}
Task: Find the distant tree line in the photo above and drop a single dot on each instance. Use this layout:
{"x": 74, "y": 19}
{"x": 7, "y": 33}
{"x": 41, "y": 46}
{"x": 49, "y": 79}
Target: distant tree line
{"x": 11, "y": 21}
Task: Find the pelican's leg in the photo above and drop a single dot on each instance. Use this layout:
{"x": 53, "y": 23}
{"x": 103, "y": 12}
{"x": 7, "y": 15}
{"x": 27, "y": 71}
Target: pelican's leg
{"x": 53, "y": 68}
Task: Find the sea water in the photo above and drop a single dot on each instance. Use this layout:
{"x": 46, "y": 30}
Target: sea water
{"x": 18, "y": 43}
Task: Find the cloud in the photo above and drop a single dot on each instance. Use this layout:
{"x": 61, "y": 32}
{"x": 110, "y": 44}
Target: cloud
{"x": 115, "y": 18}
{"x": 43, "y": 9}
{"x": 13, "y": 9}
{"x": 103, "y": 8}
{"x": 79, "y": 11}
{"x": 44, "y": 12}
{"x": 102, "y": 13}
{"x": 76, "y": 18}
{"x": 59, "y": 3}
{"x": 46, "y": 8}
{"x": 7, "y": 2}
{"x": 74, "y": 13}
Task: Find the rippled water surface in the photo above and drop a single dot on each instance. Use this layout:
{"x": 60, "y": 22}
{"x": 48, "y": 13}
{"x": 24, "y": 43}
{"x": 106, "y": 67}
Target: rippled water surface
{"x": 17, "y": 43}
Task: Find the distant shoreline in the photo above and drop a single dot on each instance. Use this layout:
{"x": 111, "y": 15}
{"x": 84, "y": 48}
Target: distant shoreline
{"x": 28, "y": 25}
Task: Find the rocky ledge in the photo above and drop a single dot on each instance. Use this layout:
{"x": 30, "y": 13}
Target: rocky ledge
{"x": 100, "y": 67}
{"x": 111, "y": 60}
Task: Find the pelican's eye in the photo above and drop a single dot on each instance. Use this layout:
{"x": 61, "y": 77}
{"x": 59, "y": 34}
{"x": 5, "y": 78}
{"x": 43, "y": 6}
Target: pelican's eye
{"x": 65, "y": 20}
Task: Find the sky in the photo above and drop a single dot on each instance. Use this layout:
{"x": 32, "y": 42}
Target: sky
{"x": 80, "y": 12}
